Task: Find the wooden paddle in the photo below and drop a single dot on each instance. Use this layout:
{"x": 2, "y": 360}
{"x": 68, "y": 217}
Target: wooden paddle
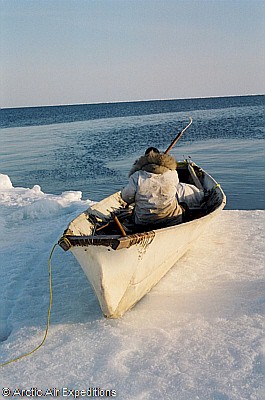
{"x": 178, "y": 137}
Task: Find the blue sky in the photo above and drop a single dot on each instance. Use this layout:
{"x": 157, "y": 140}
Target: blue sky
{"x": 86, "y": 51}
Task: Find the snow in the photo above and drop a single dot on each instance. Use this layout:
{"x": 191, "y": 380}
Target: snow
{"x": 199, "y": 334}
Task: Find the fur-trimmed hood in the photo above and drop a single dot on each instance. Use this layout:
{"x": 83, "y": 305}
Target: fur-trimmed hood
{"x": 156, "y": 163}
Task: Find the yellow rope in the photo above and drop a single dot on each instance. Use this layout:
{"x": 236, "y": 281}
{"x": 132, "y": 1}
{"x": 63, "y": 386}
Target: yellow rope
{"x": 48, "y": 314}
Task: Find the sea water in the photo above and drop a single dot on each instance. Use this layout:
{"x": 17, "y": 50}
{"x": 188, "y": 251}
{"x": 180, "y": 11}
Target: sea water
{"x": 199, "y": 334}
{"x": 92, "y": 147}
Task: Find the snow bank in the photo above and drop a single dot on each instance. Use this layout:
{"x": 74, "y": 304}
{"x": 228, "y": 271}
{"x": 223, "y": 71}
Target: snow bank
{"x": 199, "y": 334}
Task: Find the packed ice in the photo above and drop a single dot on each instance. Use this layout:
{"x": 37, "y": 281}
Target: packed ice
{"x": 199, "y": 334}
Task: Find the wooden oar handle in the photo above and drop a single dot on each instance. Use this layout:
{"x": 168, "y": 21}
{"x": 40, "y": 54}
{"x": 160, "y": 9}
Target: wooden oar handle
{"x": 119, "y": 225}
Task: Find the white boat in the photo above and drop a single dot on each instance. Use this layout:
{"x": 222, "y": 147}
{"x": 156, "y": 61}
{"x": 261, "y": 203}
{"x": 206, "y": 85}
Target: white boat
{"x": 122, "y": 269}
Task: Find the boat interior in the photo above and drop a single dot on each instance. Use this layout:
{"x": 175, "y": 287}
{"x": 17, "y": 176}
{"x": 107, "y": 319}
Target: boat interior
{"x": 111, "y": 223}
{"x": 188, "y": 173}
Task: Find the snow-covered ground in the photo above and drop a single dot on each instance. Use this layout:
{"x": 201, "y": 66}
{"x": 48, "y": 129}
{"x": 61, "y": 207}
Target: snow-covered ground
{"x": 199, "y": 334}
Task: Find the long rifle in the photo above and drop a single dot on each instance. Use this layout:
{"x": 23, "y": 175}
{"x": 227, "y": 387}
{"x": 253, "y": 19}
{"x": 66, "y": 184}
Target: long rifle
{"x": 178, "y": 137}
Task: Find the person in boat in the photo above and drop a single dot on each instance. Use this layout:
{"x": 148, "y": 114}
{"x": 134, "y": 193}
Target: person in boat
{"x": 152, "y": 186}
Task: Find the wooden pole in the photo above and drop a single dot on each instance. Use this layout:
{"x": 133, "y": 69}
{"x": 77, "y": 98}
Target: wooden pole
{"x": 119, "y": 225}
{"x": 178, "y": 137}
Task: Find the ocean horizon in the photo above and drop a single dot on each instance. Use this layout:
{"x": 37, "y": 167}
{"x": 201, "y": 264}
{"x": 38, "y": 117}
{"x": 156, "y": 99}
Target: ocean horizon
{"x": 130, "y": 101}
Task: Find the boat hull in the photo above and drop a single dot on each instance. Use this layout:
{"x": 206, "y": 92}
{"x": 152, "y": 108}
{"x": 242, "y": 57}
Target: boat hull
{"x": 122, "y": 270}
{"x": 121, "y": 278}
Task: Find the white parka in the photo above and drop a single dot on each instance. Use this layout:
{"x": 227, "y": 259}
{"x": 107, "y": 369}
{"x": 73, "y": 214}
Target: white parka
{"x": 152, "y": 187}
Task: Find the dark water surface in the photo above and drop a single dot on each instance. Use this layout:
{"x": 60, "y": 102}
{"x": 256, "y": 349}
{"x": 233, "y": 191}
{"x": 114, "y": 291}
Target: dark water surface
{"x": 91, "y": 147}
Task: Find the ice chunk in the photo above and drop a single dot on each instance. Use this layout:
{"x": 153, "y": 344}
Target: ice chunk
{"x": 5, "y": 182}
